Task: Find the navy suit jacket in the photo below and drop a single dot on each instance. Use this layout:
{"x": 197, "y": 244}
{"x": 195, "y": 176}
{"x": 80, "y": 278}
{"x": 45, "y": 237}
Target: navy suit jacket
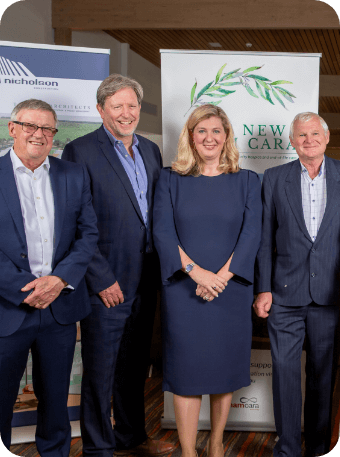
{"x": 75, "y": 234}
{"x": 122, "y": 232}
{"x": 292, "y": 267}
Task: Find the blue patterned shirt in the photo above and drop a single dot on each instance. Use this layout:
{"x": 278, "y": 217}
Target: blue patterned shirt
{"x": 314, "y": 199}
{"x": 135, "y": 170}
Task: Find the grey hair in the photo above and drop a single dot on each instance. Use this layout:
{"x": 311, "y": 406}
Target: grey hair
{"x": 304, "y": 117}
{"x": 33, "y": 103}
{"x": 113, "y": 84}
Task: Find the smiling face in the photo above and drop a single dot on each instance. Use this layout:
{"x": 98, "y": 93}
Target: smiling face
{"x": 310, "y": 140}
{"x": 32, "y": 149}
{"x": 209, "y": 138}
{"x": 121, "y": 114}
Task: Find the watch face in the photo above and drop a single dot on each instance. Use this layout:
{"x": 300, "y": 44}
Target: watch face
{"x": 189, "y": 267}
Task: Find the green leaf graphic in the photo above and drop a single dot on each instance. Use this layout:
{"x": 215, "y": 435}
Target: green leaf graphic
{"x": 214, "y": 95}
{"x": 230, "y": 74}
{"x": 193, "y": 90}
{"x": 259, "y": 89}
{"x": 218, "y": 89}
{"x": 219, "y": 73}
{"x": 281, "y": 89}
{"x": 226, "y": 92}
{"x": 280, "y": 81}
{"x": 212, "y": 89}
{"x": 268, "y": 96}
{"x": 258, "y": 77}
{"x": 264, "y": 84}
{"x": 286, "y": 96}
{"x": 201, "y": 92}
{"x": 250, "y": 90}
{"x": 251, "y": 69}
{"x": 278, "y": 98}
{"x": 236, "y": 83}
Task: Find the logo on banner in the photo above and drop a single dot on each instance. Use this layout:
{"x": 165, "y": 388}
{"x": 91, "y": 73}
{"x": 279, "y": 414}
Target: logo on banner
{"x": 18, "y": 73}
{"x": 226, "y": 84}
{"x": 250, "y": 403}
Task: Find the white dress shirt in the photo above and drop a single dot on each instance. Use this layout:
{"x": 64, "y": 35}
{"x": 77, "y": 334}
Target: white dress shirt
{"x": 37, "y": 208}
{"x": 314, "y": 199}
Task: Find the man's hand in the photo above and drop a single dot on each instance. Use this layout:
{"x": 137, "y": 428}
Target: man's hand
{"x": 263, "y": 304}
{"x": 112, "y": 296}
{"x": 45, "y": 290}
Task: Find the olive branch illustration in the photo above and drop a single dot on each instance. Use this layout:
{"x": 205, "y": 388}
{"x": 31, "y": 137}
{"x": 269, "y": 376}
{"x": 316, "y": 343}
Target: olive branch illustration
{"x": 219, "y": 88}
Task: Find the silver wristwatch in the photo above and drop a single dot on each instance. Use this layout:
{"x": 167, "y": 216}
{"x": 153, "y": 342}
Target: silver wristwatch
{"x": 189, "y": 267}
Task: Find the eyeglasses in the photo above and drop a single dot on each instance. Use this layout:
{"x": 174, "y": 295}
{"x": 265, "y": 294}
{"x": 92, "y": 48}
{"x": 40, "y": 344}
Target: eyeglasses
{"x": 32, "y": 128}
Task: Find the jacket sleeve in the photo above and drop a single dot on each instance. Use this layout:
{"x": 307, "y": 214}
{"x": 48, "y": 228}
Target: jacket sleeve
{"x": 72, "y": 268}
{"x": 12, "y": 280}
{"x": 264, "y": 260}
{"x": 164, "y": 229}
{"x": 99, "y": 275}
{"x": 242, "y": 263}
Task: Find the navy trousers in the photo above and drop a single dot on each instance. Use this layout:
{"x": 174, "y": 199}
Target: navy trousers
{"x": 288, "y": 327}
{"x": 52, "y": 346}
{"x": 115, "y": 351}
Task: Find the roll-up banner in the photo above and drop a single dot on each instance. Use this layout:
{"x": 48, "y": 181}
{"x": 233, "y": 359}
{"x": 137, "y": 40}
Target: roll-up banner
{"x": 261, "y": 94}
{"x": 67, "y": 78}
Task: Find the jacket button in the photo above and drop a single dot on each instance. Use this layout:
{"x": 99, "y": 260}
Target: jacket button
{"x": 313, "y": 275}
{"x": 142, "y": 227}
{"x": 141, "y": 251}
{"x": 23, "y": 255}
{"x": 313, "y": 250}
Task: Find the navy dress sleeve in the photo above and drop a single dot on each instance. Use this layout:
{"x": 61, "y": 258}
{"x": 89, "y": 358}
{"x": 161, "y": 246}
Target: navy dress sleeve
{"x": 164, "y": 230}
{"x": 242, "y": 263}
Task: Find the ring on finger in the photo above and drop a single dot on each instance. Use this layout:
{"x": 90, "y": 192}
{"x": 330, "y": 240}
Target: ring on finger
{"x": 205, "y": 298}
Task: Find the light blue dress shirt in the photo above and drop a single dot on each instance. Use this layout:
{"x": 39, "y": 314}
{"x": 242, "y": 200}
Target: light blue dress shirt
{"x": 136, "y": 172}
{"x": 314, "y": 199}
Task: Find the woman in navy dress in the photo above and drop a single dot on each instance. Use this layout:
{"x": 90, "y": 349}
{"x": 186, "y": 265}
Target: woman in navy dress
{"x": 207, "y": 228}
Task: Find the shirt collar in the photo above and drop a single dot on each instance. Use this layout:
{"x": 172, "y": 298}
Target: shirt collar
{"x": 114, "y": 140}
{"x": 17, "y": 163}
{"x": 322, "y": 168}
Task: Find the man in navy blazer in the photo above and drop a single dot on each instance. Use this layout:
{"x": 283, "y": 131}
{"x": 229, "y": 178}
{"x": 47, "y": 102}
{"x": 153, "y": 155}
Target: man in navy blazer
{"x": 48, "y": 236}
{"x": 298, "y": 284}
{"x": 122, "y": 276}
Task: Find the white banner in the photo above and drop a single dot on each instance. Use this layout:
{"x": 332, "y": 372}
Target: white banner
{"x": 251, "y": 407}
{"x": 260, "y": 92}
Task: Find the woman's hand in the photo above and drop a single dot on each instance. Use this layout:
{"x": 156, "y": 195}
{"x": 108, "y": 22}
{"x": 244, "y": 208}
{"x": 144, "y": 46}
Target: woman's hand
{"x": 204, "y": 293}
{"x": 214, "y": 284}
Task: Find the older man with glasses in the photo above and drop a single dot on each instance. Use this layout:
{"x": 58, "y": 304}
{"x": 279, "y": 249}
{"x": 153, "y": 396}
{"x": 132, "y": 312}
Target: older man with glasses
{"x": 48, "y": 235}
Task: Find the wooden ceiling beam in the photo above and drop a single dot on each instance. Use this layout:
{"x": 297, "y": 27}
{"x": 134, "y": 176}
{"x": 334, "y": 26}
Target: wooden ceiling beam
{"x": 195, "y": 14}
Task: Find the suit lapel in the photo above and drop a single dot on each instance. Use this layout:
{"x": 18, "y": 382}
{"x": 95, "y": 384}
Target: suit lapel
{"x": 333, "y": 191}
{"x": 111, "y": 155}
{"x": 58, "y": 183}
{"x": 293, "y": 192}
{"x": 9, "y": 191}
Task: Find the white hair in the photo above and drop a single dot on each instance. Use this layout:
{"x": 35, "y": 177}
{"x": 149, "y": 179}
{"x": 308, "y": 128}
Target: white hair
{"x": 304, "y": 117}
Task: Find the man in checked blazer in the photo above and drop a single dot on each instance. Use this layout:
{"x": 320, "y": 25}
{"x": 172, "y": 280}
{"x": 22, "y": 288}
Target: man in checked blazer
{"x": 297, "y": 283}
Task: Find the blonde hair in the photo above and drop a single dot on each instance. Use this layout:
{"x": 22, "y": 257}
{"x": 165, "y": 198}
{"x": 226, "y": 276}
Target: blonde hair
{"x": 188, "y": 161}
